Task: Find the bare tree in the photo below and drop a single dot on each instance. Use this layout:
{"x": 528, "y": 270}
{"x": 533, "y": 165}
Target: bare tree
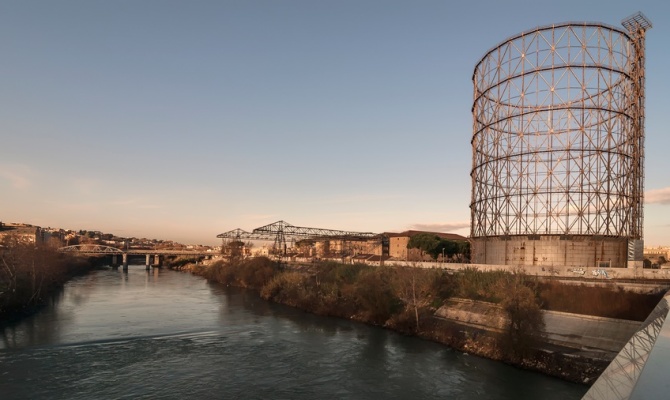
{"x": 412, "y": 285}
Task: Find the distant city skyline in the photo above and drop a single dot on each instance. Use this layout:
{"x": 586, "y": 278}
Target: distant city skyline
{"x": 182, "y": 120}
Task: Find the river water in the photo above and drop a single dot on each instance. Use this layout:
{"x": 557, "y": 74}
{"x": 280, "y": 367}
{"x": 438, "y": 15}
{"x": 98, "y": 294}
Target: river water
{"x": 170, "y": 335}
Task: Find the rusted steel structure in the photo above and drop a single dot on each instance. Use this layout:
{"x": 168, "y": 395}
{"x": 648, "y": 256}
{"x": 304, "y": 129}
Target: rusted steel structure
{"x": 281, "y": 230}
{"x": 558, "y": 146}
{"x": 239, "y": 234}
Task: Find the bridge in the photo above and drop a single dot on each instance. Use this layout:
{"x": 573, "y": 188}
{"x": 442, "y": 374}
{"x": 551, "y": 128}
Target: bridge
{"x": 639, "y": 371}
{"x": 157, "y": 254}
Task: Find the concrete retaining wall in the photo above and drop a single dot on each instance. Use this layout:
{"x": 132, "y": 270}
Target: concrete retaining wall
{"x": 565, "y": 329}
{"x": 575, "y": 330}
{"x": 556, "y": 271}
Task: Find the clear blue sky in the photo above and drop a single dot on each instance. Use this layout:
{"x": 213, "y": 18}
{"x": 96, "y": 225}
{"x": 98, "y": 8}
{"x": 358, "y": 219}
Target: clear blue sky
{"x": 184, "y": 119}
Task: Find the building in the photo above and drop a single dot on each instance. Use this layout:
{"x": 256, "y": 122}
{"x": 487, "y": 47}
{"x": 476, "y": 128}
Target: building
{"x": 398, "y": 245}
{"x": 25, "y": 233}
{"x": 658, "y": 256}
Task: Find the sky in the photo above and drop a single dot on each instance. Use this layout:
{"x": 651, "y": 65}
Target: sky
{"x": 180, "y": 120}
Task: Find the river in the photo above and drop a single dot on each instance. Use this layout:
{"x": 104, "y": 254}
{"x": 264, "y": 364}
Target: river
{"x": 163, "y": 334}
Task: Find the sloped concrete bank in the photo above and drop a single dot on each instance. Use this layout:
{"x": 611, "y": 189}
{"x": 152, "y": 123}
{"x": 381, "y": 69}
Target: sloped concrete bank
{"x": 595, "y": 337}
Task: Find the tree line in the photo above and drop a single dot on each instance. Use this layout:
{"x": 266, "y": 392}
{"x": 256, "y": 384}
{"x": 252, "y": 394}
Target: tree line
{"x": 30, "y": 272}
{"x": 437, "y": 246}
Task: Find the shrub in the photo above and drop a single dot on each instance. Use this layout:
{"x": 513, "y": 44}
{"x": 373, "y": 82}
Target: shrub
{"x": 256, "y": 272}
{"x": 30, "y": 272}
{"x": 442, "y": 287}
{"x": 375, "y": 296}
{"x": 525, "y": 320}
{"x": 474, "y": 284}
{"x": 341, "y": 273}
{"x": 287, "y": 288}
{"x": 253, "y": 273}
{"x": 413, "y": 286}
{"x": 180, "y": 262}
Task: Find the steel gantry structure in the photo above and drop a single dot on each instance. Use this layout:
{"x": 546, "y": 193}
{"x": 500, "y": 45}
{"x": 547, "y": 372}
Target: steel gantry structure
{"x": 239, "y": 234}
{"x": 279, "y": 231}
{"x": 282, "y": 229}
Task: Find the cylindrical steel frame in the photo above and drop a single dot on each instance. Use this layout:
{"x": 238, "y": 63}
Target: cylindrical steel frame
{"x": 558, "y": 133}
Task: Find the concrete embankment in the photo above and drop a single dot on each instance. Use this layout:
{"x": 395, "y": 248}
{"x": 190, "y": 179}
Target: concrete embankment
{"x": 578, "y": 273}
{"x": 594, "y": 336}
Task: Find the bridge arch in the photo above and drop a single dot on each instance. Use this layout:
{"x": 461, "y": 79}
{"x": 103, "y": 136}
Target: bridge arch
{"x": 90, "y": 249}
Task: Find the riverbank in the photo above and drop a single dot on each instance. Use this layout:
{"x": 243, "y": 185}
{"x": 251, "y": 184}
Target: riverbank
{"x": 406, "y": 300}
{"x": 30, "y": 275}
{"x": 168, "y": 335}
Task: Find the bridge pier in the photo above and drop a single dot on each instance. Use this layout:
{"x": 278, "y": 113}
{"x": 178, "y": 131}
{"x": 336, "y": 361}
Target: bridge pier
{"x": 113, "y": 252}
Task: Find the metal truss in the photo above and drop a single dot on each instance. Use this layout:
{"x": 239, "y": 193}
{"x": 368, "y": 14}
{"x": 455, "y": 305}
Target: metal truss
{"x": 558, "y": 132}
{"x": 280, "y": 230}
{"x": 239, "y": 234}
{"x": 90, "y": 249}
{"x": 299, "y": 231}
{"x": 620, "y": 378}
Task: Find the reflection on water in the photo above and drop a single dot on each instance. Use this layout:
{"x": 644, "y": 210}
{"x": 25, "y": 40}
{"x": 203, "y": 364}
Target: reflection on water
{"x": 165, "y": 334}
{"x": 41, "y": 328}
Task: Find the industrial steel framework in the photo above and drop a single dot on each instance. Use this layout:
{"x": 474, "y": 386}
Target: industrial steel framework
{"x": 239, "y": 234}
{"x": 279, "y": 231}
{"x": 558, "y": 132}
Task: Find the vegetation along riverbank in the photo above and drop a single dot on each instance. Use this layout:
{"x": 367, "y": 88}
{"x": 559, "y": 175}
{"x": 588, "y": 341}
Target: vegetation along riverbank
{"x": 406, "y": 300}
{"x": 31, "y": 273}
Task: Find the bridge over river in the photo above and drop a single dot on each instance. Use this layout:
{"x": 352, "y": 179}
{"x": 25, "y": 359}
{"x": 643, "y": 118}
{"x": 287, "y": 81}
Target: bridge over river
{"x": 156, "y": 255}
